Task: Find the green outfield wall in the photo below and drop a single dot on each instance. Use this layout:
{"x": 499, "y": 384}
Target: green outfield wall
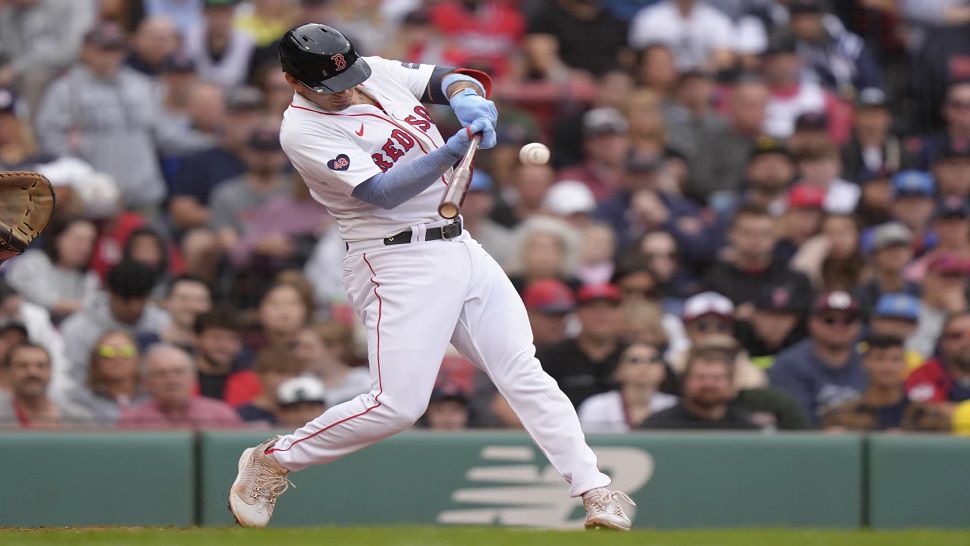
{"x": 496, "y": 478}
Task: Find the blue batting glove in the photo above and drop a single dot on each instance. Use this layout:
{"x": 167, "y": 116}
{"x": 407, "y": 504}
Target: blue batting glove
{"x": 469, "y": 106}
{"x": 458, "y": 144}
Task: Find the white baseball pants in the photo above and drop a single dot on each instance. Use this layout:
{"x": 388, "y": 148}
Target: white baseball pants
{"x": 414, "y": 299}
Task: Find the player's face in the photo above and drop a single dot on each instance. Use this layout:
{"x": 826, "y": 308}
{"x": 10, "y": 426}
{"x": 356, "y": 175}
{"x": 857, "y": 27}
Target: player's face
{"x": 333, "y": 102}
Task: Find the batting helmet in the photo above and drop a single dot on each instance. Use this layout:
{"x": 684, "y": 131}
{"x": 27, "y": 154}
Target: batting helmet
{"x": 322, "y": 58}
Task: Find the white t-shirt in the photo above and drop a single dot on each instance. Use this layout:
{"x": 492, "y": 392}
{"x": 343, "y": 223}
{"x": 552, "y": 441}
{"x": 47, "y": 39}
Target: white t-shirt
{"x": 336, "y": 151}
{"x": 693, "y": 38}
{"x": 604, "y": 412}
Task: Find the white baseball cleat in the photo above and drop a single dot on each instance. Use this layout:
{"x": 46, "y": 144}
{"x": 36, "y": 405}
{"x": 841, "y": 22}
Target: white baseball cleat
{"x": 261, "y": 480}
{"x": 603, "y": 510}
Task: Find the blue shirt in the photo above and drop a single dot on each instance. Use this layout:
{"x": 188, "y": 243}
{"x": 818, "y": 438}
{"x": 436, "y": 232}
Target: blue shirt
{"x": 800, "y": 373}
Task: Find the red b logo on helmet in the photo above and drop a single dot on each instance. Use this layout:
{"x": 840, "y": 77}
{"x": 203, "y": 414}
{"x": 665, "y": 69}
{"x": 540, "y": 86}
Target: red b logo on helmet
{"x": 338, "y": 61}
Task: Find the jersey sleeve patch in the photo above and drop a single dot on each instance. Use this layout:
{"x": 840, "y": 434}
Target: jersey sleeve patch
{"x": 339, "y": 163}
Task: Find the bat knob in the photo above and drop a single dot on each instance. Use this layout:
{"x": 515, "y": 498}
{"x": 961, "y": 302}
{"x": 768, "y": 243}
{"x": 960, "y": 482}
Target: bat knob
{"x": 448, "y": 211}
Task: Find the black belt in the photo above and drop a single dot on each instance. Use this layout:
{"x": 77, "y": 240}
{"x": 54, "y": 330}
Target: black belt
{"x": 447, "y": 231}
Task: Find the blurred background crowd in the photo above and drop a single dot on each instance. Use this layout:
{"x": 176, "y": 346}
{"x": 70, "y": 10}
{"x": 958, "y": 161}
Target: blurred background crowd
{"x": 756, "y": 215}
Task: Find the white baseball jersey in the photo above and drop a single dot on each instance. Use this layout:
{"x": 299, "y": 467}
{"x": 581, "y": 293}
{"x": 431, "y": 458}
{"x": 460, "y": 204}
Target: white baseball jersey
{"x": 336, "y": 151}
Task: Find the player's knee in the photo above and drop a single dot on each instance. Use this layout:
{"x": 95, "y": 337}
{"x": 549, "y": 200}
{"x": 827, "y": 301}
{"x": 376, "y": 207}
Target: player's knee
{"x": 404, "y": 415}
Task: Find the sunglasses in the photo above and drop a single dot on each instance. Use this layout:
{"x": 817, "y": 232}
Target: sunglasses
{"x": 712, "y": 326}
{"x": 832, "y": 320}
{"x": 125, "y": 351}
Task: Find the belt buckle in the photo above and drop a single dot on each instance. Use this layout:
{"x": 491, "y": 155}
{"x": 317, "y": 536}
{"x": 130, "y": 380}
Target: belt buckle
{"x": 450, "y": 231}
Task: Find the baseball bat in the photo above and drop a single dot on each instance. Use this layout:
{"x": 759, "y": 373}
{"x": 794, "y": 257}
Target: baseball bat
{"x": 450, "y": 205}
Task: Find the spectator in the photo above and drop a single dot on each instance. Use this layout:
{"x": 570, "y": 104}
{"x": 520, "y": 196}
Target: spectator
{"x": 186, "y": 298}
{"x": 201, "y": 172}
{"x": 891, "y": 252}
{"x": 913, "y": 201}
{"x": 526, "y": 192}
{"x": 777, "y": 323}
{"x": 56, "y": 276}
{"x": 283, "y": 311}
{"x": 543, "y": 248}
{"x": 801, "y": 220}
{"x": 944, "y": 293}
{"x": 884, "y": 405}
{"x": 656, "y": 70}
{"x": 638, "y": 283}
{"x": 549, "y": 303}
{"x": 113, "y": 383}
{"x": 448, "y": 409}
{"x": 897, "y": 314}
{"x": 125, "y": 307}
{"x": 273, "y": 367}
{"x": 475, "y": 210}
{"x": 62, "y": 23}
{"x": 186, "y": 14}
{"x": 169, "y": 379}
{"x": 28, "y": 370}
{"x": 717, "y": 168}
{"x": 571, "y": 201}
{"x": 643, "y": 322}
{"x": 956, "y": 115}
{"x": 876, "y": 198}
{"x": 596, "y": 264}
{"x": 300, "y": 400}
{"x": 314, "y": 348}
{"x": 109, "y": 116}
{"x": 28, "y": 321}
{"x": 221, "y": 53}
{"x": 264, "y": 179}
{"x": 819, "y": 165}
{"x": 748, "y": 261}
{"x": 605, "y": 145}
{"x": 824, "y": 370}
{"x": 838, "y": 59}
{"x": 950, "y": 228}
{"x": 767, "y": 175}
{"x": 584, "y": 365}
{"x": 943, "y": 379}
{"x": 638, "y": 375}
{"x": 832, "y": 260}
{"x": 145, "y": 245}
{"x": 482, "y": 32}
{"x": 705, "y": 402}
{"x": 219, "y": 357}
{"x": 700, "y": 35}
{"x": 155, "y": 42}
{"x": 571, "y": 34}
{"x": 790, "y": 96}
{"x": 951, "y": 169}
{"x": 659, "y": 248}
{"x": 650, "y": 133}
{"x": 872, "y": 148}
{"x": 710, "y": 314}
{"x": 693, "y": 118}
{"x": 17, "y": 146}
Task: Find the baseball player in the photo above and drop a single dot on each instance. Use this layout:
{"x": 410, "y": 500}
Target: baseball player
{"x": 359, "y": 136}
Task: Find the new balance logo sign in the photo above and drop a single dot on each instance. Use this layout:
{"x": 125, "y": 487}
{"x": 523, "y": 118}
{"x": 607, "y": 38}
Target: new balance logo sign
{"x": 511, "y": 488}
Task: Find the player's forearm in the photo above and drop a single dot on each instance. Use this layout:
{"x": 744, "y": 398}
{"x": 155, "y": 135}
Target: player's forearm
{"x": 392, "y": 188}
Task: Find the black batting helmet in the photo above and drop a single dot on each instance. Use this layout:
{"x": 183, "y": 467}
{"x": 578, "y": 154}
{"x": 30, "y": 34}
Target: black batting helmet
{"x": 322, "y": 58}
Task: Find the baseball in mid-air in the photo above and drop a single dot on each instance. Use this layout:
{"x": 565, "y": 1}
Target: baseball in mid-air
{"x": 534, "y": 153}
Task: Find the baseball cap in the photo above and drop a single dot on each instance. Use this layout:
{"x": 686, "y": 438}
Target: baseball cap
{"x": 305, "y": 388}
{"x": 8, "y": 323}
{"x": 812, "y": 121}
{"x": 953, "y": 207}
{"x": 8, "y": 101}
{"x": 768, "y": 145}
{"x": 550, "y": 296}
{"x": 836, "y": 300}
{"x": 889, "y": 234}
{"x": 806, "y": 196}
{"x": 947, "y": 263}
{"x": 106, "y": 35}
{"x": 264, "y": 139}
{"x": 481, "y": 181}
{"x": 897, "y": 305}
{"x": 707, "y": 303}
{"x": 871, "y": 97}
{"x": 781, "y": 299}
{"x": 569, "y": 197}
{"x": 244, "y": 99}
{"x": 449, "y": 392}
{"x": 915, "y": 183}
{"x": 599, "y": 292}
{"x": 604, "y": 121}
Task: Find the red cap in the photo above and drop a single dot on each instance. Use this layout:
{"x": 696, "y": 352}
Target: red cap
{"x": 549, "y": 296}
{"x": 604, "y": 291}
{"x": 806, "y": 196}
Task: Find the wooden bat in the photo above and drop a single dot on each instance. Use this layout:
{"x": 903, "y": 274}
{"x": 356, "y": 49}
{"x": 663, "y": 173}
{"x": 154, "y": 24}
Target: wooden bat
{"x": 451, "y": 201}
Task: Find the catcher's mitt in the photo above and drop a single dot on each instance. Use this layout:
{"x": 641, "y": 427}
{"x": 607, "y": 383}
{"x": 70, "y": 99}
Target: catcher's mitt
{"x": 26, "y": 206}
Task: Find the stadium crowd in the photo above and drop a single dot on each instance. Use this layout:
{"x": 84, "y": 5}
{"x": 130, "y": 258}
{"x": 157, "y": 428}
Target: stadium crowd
{"x": 757, "y": 214}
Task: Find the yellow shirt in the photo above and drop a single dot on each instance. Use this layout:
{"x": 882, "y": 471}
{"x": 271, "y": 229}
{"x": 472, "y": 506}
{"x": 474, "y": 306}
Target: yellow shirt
{"x": 262, "y": 31}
